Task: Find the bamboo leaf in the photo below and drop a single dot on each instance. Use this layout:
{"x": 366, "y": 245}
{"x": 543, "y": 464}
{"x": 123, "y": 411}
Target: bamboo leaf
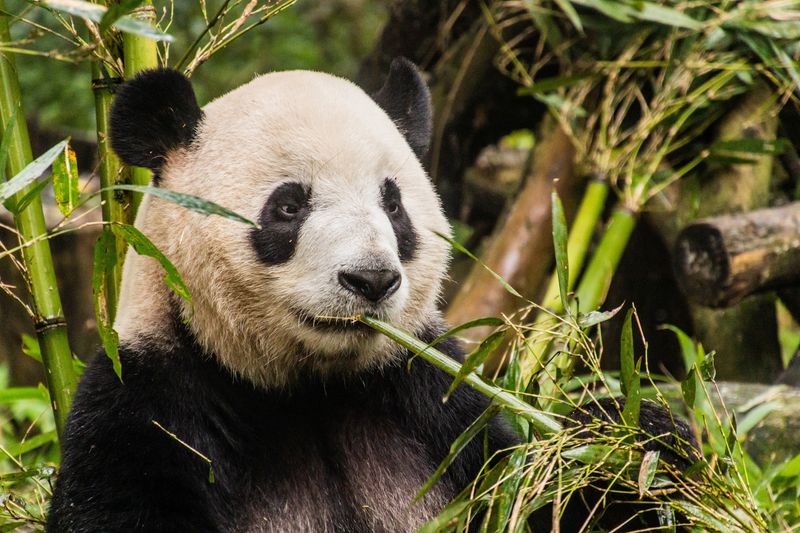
{"x": 31, "y": 172}
{"x": 560, "y": 247}
{"x": 476, "y": 358}
{"x": 627, "y": 372}
{"x": 689, "y": 388}
{"x": 593, "y": 318}
{"x": 486, "y": 321}
{"x": 15, "y": 394}
{"x": 65, "y": 181}
{"x": 647, "y": 471}
{"x": 117, "y": 10}
{"x": 750, "y": 145}
{"x": 571, "y": 14}
{"x": 706, "y": 367}
{"x": 444, "y": 519}
{"x": 95, "y": 13}
{"x": 145, "y": 246}
{"x": 105, "y": 258}
{"x": 6, "y": 142}
{"x": 458, "y": 446}
{"x": 189, "y": 201}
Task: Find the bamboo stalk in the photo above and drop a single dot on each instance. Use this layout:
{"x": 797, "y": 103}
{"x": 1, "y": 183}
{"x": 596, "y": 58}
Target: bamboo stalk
{"x": 116, "y": 204}
{"x": 140, "y": 53}
{"x": 593, "y": 288}
{"x": 591, "y": 291}
{"x": 543, "y": 422}
{"x": 580, "y": 237}
{"x": 51, "y": 328}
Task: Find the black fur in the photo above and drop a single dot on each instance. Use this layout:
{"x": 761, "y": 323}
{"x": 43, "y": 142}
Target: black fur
{"x": 152, "y": 114}
{"x": 406, "y": 99}
{"x": 392, "y": 204}
{"x": 120, "y": 472}
{"x": 281, "y": 219}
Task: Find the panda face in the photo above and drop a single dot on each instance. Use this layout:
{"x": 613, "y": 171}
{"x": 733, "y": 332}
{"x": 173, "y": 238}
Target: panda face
{"x": 347, "y": 220}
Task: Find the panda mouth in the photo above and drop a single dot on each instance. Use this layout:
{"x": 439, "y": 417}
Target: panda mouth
{"x": 333, "y": 324}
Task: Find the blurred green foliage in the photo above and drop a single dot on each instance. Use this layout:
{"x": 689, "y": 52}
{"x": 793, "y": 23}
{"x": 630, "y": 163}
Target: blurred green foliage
{"x": 331, "y": 36}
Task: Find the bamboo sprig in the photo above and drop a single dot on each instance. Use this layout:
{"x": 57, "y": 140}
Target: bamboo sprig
{"x": 542, "y": 422}
{"x": 51, "y": 328}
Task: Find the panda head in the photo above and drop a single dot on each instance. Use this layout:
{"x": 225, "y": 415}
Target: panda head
{"x": 347, "y": 218}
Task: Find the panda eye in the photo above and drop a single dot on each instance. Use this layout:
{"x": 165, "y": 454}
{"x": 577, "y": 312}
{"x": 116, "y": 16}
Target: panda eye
{"x": 393, "y": 208}
{"x": 289, "y": 210}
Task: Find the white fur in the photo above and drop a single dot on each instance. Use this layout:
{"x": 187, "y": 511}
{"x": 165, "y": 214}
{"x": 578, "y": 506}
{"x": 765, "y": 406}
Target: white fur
{"x": 322, "y": 131}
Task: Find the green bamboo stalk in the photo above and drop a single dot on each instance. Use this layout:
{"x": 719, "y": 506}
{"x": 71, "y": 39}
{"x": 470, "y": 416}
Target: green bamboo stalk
{"x": 541, "y": 421}
{"x": 116, "y": 205}
{"x": 580, "y": 237}
{"x": 51, "y": 328}
{"x": 593, "y": 288}
{"x": 140, "y": 53}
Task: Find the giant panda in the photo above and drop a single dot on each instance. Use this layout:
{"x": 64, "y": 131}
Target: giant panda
{"x": 251, "y": 408}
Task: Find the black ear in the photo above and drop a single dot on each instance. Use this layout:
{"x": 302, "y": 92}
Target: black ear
{"x": 152, "y": 114}
{"x": 406, "y": 99}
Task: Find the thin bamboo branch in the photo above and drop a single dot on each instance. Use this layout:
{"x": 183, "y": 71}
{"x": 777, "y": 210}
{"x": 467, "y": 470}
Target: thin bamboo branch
{"x": 51, "y": 328}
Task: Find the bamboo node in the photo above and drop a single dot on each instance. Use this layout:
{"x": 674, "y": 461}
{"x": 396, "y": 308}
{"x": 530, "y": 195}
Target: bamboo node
{"x": 45, "y": 323}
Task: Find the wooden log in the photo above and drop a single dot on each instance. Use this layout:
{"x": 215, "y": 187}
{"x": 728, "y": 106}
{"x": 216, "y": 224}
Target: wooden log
{"x": 718, "y": 261}
{"x": 743, "y": 335}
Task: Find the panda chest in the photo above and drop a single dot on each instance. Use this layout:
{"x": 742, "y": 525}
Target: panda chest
{"x": 350, "y": 473}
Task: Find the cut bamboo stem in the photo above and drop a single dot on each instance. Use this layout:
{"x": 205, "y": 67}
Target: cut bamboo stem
{"x": 51, "y": 328}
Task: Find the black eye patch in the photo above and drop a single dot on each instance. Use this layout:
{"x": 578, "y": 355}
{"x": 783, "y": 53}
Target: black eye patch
{"x": 392, "y": 204}
{"x": 281, "y": 219}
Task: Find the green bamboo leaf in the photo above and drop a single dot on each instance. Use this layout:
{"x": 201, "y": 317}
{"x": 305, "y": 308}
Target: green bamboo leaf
{"x": 458, "y": 247}
{"x": 189, "y": 201}
{"x": 571, "y": 14}
{"x": 706, "y": 367}
{"x": 117, "y": 10}
{"x": 688, "y": 350}
{"x": 791, "y": 468}
{"x": 593, "y": 318}
{"x": 65, "y": 181}
{"x": 667, "y": 16}
{"x": 32, "y": 443}
{"x": 647, "y": 471}
{"x": 627, "y": 372}
{"x": 754, "y": 416}
{"x": 32, "y": 193}
{"x": 95, "y": 13}
{"x": 596, "y": 454}
{"x": 6, "y": 142}
{"x": 750, "y": 145}
{"x": 15, "y": 394}
{"x": 31, "y": 172}
{"x": 458, "y": 446}
{"x": 105, "y": 258}
{"x": 689, "y": 388}
{"x": 447, "y": 517}
{"x": 145, "y": 246}
{"x": 478, "y": 322}
{"x": 560, "y": 247}
{"x": 476, "y": 358}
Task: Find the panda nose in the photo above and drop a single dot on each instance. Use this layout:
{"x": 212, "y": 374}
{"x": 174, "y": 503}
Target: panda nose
{"x": 374, "y": 285}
